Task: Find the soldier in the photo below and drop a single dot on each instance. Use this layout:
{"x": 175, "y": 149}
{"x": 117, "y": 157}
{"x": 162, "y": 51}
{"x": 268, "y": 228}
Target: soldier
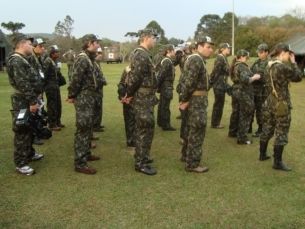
{"x": 166, "y": 77}
{"x": 69, "y": 57}
{"x": 52, "y": 90}
{"x": 219, "y": 82}
{"x": 141, "y": 88}
{"x": 193, "y": 97}
{"x": 83, "y": 91}
{"x": 128, "y": 113}
{"x": 97, "y": 126}
{"x": 242, "y": 97}
{"x": 37, "y": 63}
{"x": 27, "y": 86}
{"x": 282, "y": 69}
{"x": 259, "y": 67}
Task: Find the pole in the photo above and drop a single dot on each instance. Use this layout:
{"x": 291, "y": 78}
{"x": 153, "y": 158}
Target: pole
{"x": 233, "y": 25}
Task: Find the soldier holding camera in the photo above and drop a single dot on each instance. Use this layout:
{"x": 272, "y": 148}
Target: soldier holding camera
{"x": 27, "y": 86}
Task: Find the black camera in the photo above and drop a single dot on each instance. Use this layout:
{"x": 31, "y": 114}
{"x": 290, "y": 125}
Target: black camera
{"x": 23, "y": 117}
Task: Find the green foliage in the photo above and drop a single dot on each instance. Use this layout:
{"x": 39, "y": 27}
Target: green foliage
{"x": 14, "y": 27}
{"x": 157, "y": 27}
{"x": 64, "y": 28}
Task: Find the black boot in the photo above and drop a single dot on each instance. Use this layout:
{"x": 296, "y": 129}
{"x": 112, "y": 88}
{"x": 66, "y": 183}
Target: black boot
{"x": 262, "y": 151}
{"x": 278, "y": 163}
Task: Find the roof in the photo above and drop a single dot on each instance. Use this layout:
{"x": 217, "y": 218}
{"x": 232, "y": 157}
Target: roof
{"x": 297, "y": 44}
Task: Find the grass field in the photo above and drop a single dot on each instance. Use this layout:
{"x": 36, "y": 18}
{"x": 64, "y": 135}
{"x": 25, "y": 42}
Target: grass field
{"x": 237, "y": 192}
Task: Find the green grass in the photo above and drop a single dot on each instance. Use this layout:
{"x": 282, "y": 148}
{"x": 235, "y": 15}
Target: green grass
{"x": 237, "y": 192}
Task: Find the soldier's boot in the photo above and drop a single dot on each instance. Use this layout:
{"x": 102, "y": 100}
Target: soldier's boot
{"x": 258, "y": 132}
{"x": 263, "y": 151}
{"x": 278, "y": 163}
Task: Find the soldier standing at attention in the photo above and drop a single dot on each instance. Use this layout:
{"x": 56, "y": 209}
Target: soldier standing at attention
{"x": 69, "y": 57}
{"x": 52, "y": 89}
{"x": 166, "y": 77}
{"x": 27, "y": 86}
{"x": 242, "y": 97}
{"x": 141, "y": 88}
{"x": 282, "y": 69}
{"x": 193, "y": 97}
{"x": 98, "y": 117}
{"x": 83, "y": 92}
{"x": 259, "y": 67}
{"x": 218, "y": 81}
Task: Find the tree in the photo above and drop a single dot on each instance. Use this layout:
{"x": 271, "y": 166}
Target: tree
{"x": 64, "y": 28}
{"x": 154, "y": 25}
{"x": 208, "y": 25}
{"x": 175, "y": 41}
{"x": 14, "y": 27}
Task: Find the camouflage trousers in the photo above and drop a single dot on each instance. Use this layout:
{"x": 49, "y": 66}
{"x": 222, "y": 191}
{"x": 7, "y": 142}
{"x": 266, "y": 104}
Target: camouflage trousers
{"x": 144, "y": 128}
{"x": 164, "y": 113}
{"x": 84, "y": 107}
{"x": 275, "y": 125}
{"x": 196, "y": 127}
{"x": 242, "y": 110}
{"x": 129, "y": 121}
{"x": 53, "y": 105}
{"x": 98, "y": 112}
{"x": 23, "y": 136}
{"x": 258, "y": 103}
{"x": 184, "y": 131}
{"x": 218, "y": 105}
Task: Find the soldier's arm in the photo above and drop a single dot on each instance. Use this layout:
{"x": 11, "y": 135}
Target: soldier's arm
{"x": 23, "y": 81}
{"x": 166, "y": 69}
{"x": 218, "y": 63}
{"x": 79, "y": 70}
{"x": 191, "y": 71}
{"x": 245, "y": 75}
{"x": 294, "y": 73}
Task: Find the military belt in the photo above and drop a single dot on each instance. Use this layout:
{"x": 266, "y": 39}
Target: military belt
{"x": 200, "y": 93}
{"x": 146, "y": 90}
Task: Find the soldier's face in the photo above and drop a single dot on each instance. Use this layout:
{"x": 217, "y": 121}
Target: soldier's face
{"x": 93, "y": 46}
{"x": 205, "y": 49}
{"x": 27, "y": 47}
{"x": 151, "y": 41}
{"x": 262, "y": 55}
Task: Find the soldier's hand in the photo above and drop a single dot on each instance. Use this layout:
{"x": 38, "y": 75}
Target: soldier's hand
{"x": 183, "y": 106}
{"x": 255, "y": 77}
{"x": 292, "y": 57}
{"x": 70, "y": 100}
{"x": 34, "y": 108}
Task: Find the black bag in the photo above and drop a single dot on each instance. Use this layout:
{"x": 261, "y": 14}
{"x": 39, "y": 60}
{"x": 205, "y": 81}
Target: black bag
{"x": 61, "y": 80}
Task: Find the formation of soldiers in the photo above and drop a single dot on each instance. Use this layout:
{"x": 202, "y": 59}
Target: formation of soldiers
{"x": 260, "y": 91}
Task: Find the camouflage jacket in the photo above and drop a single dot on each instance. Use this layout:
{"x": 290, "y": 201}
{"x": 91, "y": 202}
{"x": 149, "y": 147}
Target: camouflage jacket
{"x": 37, "y": 64}
{"x": 51, "y": 73}
{"x": 241, "y": 77}
{"x": 86, "y": 76}
{"x": 69, "y": 57}
{"x": 142, "y": 72}
{"x": 220, "y": 72}
{"x": 123, "y": 83}
{"x": 195, "y": 77}
{"x": 282, "y": 74}
{"x": 259, "y": 67}
{"x": 166, "y": 74}
{"x": 24, "y": 78}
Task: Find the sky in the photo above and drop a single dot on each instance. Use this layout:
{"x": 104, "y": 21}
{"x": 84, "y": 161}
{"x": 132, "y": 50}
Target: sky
{"x": 113, "y": 18}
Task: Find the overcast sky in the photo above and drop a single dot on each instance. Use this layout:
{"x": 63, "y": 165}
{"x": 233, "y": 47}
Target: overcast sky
{"x": 113, "y": 18}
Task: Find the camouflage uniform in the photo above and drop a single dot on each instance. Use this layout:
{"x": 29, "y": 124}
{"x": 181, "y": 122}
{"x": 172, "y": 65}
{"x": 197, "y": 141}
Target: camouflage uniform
{"x": 141, "y": 86}
{"x": 27, "y": 84}
{"x": 128, "y": 113}
{"x": 259, "y": 67}
{"x": 98, "y": 116}
{"x": 194, "y": 85}
{"x": 166, "y": 81}
{"x": 274, "y": 123}
{"x": 242, "y": 102}
{"x": 85, "y": 83}
{"x": 52, "y": 91}
{"x": 219, "y": 77}
{"x": 69, "y": 56}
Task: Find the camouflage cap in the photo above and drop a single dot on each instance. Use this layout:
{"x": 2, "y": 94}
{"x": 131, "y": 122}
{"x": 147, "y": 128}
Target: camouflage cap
{"x": 262, "y": 47}
{"x": 89, "y": 37}
{"x": 20, "y": 37}
{"x": 283, "y": 47}
{"x": 242, "y": 52}
{"x": 168, "y": 47}
{"x": 38, "y": 41}
{"x": 54, "y": 49}
{"x": 203, "y": 39}
{"x": 224, "y": 45}
{"x": 147, "y": 32}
